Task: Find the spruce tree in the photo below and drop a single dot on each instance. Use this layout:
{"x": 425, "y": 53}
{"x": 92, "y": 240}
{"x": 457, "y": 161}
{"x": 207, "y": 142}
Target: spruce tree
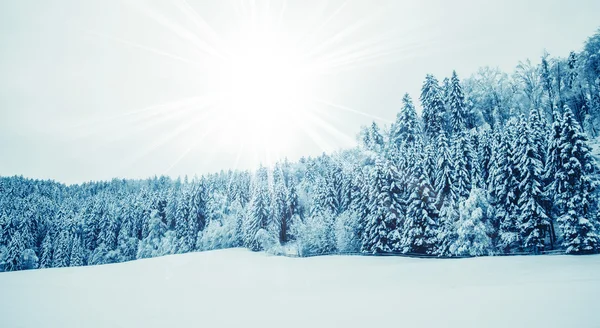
{"x": 420, "y": 231}
{"x": 381, "y": 234}
{"x": 259, "y": 212}
{"x": 550, "y": 183}
{"x": 509, "y": 232}
{"x": 456, "y": 99}
{"x": 473, "y": 228}
{"x": 533, "y": 221}
{"x": 46, "y": 252}
{"x": 463, "y": 164}
{"x": 62, "y": 250}
{"x": 576, "y": 201}
{"x": 16, "y": 247}
{"x": 433, "y": 106}
{"x": 445, "y": 189}
{"x": 77, "y": 257}
{"x": 406, "y": 126}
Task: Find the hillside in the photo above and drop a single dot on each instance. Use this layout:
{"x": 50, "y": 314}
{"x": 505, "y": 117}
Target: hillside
{"x": 238, "y": 288}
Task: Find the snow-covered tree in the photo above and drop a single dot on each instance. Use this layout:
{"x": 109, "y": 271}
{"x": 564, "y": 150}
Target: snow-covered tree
{"x": 420, "y": 230}
{"x": 384, "y": 213}
{"x": 259, "y": 212}
{"x": 406, "y": 127}
{"x": 15, "y": 249}
{"x": 46, "y": 252}
{"x": 473, "y": 227}
{"x": 151, "y": 244}
{"x": 77, "y": 257}
{"x": 533, "y": 220}
{"x": 62, "y": 250}
{"x": 433, "y": 106}
{"x": 456, "y": 99}
{"x": 576, "y": 202}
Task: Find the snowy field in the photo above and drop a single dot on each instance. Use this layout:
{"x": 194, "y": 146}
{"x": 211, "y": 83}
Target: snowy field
{"x": 238, "y": 288}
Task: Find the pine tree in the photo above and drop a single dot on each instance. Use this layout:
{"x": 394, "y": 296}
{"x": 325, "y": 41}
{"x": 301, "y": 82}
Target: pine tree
{"x": 473, "y": 227}
{"x": 533, "y": 221}
{"x": 500, "y": 188}
{"x": 384, "y": 213}
{"x": 550, "y": 184}
{"x": 456, "y": 98}
{"x": 445, "y": 189}
{"x": 484, "y": 156}
{"x": 576, "y": 202}
{"x": 151, "y": 244}
{"x": 77, "y": 253}
{"x": 420, "y": 229}
{"x": 433, "y": 106}
{"x": 463, "y": 165}
{"x": 259, "y": 212}
{"x": 360, "y": 201}
{"x": 62, "y": 250}
{"x": 15, "y": 249}
{"x": 406, "y": 128}
{"x": 510, "y": 238}
{"x": 46, "y": 256}
{"x": 182, "y": 217}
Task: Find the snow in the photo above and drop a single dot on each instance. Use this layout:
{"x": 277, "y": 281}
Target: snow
{"x": 238, "y": 288}
{"x": 595, "y": 144}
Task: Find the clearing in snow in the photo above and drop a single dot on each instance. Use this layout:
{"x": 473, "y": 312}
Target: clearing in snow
{"x": 238, "y": 288}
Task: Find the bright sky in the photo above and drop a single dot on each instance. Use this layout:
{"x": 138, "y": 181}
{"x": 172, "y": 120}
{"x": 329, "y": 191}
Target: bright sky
{"x": 93, "y": 90}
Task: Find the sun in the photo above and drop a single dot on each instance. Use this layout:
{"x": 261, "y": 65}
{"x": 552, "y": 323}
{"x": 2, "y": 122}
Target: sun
{"x": 260, "y": 82}
{"x": 264, "y": 86}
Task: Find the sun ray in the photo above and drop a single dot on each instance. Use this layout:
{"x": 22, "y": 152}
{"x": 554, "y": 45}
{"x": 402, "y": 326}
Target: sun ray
{"x": 281, "y": 13}
{"x": 136, "y": 123}
{"x": 380, "y": 42}
{"x": 194, "y": 64}
{"x": 200, "y": 22}
{"x": 331, "y": 129}
{"x": 307, "y": 38}
{"x": 364, "y": 57}
{"x": 351, "y": 110}
{"x": 170, "y": 136}
{"x": 380, "y": 59}
{"x": 197, "y": 140}
{"x": 151, "y": 122}
{"x": 202, "y": 46}
{"x": 340, "y": 35}
{"x": 309, "y": 131}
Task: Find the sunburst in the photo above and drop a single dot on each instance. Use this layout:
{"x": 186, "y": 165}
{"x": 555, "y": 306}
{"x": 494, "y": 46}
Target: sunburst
{"x": 261, "y": 87}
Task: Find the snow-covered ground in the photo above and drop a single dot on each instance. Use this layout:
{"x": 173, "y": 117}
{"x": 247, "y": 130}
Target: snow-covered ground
{"x": 238, "y": 288}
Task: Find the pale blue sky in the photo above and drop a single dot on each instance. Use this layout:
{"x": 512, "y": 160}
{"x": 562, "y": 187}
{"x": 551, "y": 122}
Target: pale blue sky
{"x": 69, "y": 67}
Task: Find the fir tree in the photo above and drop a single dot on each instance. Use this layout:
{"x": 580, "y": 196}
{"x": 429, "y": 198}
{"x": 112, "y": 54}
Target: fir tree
{"x": 15, "y": 249}
{"x": 510, "y": 238}
{"x": 433, "y": 106}
{"x": 406, "y": 128}
{"x": 420, "y": 229}
{"x": 384, "y": 213}
{"x": 259, "y": 212}
{"x": 534, "y": 223}
{"x": 151, "y": 244}
{"x": 463, "y": 164}
{"x": 77, "y": 257}
{"x": 473, "y": 227}
{"x": 62, "y": 250}
{"x": 576, "y": 202}
{"x": 46, "y": 256}
{"x": 445, "y": 189}
{"x": 456, "y": 98}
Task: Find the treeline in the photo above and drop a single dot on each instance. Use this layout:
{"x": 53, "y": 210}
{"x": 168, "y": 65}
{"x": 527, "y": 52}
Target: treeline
{"x": 495, "y": 164}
